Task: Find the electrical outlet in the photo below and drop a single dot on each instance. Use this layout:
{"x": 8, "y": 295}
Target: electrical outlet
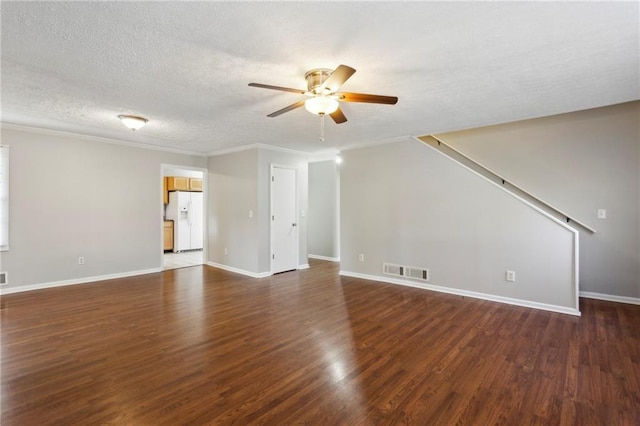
{"x": 510, "y": 276}
{"x": 602, "y": 213}
{"x": 81, "y": 260}
{"x": 226, "y": 251}
{"x": 250, "y": 214}
{"x": 361, "y": 257}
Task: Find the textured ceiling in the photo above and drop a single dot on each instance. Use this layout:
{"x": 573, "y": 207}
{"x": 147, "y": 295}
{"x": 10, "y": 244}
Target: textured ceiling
{"x": 74, "y": 66}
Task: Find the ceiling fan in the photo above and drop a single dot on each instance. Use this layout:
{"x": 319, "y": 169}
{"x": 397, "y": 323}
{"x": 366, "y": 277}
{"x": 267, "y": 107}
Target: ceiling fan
{"x": 323, "y": 96}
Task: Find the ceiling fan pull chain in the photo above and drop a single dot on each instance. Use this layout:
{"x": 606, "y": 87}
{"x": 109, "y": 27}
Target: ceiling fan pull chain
{"x": 322, "y": 127}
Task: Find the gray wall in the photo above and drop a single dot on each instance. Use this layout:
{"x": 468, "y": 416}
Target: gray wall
{"x": 233, "y": 192}
{"x": 579, "y": 162}
{"x": 74, "y": 196}
{"x": 405, "y": 203}
{"x": 239, "y": 182}
{"x": 323, "y": 209}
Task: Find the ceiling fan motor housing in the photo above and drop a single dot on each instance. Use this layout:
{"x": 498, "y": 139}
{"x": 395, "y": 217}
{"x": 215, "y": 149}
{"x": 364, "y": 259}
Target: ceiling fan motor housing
{"x": 315, "y": 78}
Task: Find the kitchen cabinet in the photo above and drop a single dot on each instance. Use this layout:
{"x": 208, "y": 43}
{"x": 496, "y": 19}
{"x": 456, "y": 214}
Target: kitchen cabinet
{"x": 177, "y": 183}
{"x": 168, "y": 235}
{"x": 195, "y": 184}
{"x": 165, "y": 191}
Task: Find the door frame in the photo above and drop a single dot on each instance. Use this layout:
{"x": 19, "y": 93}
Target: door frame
{"x": 296, "y": 203}
{"x": 205, "y": 246}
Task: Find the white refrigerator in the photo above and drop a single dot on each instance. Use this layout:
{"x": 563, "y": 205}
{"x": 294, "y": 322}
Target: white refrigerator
{"x": 186, "y": 211}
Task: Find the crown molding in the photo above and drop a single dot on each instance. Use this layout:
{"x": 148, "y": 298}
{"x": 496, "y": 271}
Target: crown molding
{"x": 100, "y": 139}
{"x": 378, "y": 142}
{"x": 257, "y": 146}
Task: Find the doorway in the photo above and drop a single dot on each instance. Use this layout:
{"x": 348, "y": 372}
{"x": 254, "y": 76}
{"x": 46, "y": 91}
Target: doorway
{"x": 284, "y": 223}
{"x": 183, "y": 216}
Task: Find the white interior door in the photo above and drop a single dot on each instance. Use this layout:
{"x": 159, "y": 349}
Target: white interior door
{"x": 284, "y": 224}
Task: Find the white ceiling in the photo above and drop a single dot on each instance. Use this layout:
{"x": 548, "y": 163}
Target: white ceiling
{"x": 74, "y": 66}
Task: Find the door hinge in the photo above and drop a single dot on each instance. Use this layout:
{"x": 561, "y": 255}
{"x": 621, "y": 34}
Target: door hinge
{"x": 273, "y": 256}
{"x": 273, "y": 217}
{"x": 273, "y": 179}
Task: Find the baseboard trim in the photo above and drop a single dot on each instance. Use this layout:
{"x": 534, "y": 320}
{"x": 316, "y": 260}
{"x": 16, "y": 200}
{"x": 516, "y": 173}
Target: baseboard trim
{"x": 239, "y": 271}
{"x": 330, "y": 259}
{"x": 75, "y": 281}
{"x": 610, "y": 297}
{"x": 466, "y": 293}
{"x": 305, "y": 266}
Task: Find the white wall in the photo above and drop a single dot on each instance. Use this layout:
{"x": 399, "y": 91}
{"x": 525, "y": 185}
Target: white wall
{"x": 323, "y": 209}
{"x": 407, "y": 204}
{"x": 74, "y": 196}
{"x": 579, "y": 162}
{"x": 239, "y": 182}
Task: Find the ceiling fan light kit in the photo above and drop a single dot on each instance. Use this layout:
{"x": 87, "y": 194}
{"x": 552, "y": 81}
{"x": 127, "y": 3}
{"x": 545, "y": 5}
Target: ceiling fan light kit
{"x": 321, "y": 105}
{"x": 133, "y": 122}
{"x": 324, "y": 98}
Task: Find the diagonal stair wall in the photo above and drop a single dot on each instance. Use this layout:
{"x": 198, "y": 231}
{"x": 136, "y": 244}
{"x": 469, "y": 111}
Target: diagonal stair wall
{"x": 405, "y": 203}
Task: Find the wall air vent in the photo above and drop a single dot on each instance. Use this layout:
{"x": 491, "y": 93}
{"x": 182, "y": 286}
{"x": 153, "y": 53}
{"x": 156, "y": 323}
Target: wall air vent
{"x": 416, "y": 273}
{"x": 391, "y": 269}
{"x": 4, "y": 278}
{"x": 405, "y": 271}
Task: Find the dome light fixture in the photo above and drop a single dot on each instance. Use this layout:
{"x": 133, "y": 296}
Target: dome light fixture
{"x": 321, "y": 105}
{"x": 133, "y": 122}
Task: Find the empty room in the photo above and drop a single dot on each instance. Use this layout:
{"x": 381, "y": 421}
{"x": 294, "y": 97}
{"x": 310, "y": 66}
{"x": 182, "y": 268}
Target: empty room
{"x": 323, "y": 213}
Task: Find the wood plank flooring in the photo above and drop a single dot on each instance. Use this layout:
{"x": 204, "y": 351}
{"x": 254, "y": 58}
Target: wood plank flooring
{"x": 204, "y": 346}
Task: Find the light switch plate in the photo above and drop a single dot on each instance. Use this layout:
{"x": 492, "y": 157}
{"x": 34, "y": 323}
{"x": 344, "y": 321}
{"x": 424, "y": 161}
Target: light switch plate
{"x": 602, "y": 213}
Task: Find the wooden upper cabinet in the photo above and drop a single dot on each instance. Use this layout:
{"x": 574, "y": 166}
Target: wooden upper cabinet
{"x": 165, "y": 191}
{"x": 176, "y": 183}
{"x": 195, "y": 184}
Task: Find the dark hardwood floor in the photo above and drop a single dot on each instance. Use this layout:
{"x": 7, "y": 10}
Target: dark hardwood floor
{"x": 204, "y": 346}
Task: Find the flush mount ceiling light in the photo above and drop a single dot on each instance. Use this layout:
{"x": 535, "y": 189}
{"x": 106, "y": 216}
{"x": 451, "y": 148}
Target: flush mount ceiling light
{"x": 133, "y": 122}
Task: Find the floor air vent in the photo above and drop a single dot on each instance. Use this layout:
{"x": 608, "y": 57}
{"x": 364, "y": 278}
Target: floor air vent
{"x": 405, "y": 271}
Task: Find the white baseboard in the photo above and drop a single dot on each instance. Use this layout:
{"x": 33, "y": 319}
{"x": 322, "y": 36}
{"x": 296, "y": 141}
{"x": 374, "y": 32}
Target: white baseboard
{"x": 466, "y": 293}
{"x": 317, "y": 256}
{"x": 84, "y": 280}
{"x": 239, "y": 271}
{"x": 610, "y": 297}
{"x": 305, "y": 266}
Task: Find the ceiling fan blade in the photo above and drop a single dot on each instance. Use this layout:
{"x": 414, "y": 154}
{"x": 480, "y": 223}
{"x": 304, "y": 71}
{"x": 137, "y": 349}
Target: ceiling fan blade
{"x": 286, "y": 109}
{"x": 338, "y": 116}
{"x": 337, "y": 78}
{"x": 370, "y": 99}
{"x": 283, "y": 89}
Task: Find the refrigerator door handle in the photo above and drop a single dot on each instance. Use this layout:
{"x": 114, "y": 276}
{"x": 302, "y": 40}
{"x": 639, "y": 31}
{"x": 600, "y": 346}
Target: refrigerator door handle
{"x": 190, "y": 213}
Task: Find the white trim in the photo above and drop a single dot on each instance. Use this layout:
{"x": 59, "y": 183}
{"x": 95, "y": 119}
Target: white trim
{"x": 473, "y": 294}
{"x": 84, "y": 280}
{"x": 610, "y": 297}
{"x": 40, "y": 130}
{"x": 239, "y": 271}
{"x": 305, "y": 266}
{"x": 256, "y": 146}
{"x": 374, "y": 143}
{"x": 330, "y": 259}
{"x": 513, "y": 184}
